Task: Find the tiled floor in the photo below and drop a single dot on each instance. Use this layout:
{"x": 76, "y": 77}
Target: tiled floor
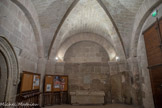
{"x": 99, "y": 106}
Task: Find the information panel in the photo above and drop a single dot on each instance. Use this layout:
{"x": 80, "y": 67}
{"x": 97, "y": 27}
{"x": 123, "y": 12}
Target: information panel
{"x": 30, "y": 81}
{"x": 56, "y": 83}
{"x": 48, "y": 83}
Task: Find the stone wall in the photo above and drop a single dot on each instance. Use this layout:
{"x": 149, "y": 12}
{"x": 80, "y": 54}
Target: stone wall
{"x": 135, "y": 81}
{"x": 86, "y": 51}
{"x": 87, "y": 76}
{"x": 143, "y": 64}
{"x": 107, "y": 77}
{"x": 121, "y": 85}
{"x": 141, "y": 16}
{"x": 66, "y": 44}
{"x": 15, "y": 26}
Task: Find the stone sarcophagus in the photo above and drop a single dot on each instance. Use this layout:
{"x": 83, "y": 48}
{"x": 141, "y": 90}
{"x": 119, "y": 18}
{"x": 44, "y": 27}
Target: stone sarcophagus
{"x": 87, "y": 97}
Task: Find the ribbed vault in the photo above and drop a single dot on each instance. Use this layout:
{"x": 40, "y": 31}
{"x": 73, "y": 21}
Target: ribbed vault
{"x": 85, "y": 37}
{"x": 87, "y": 16}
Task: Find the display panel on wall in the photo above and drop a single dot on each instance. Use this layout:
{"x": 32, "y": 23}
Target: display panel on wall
{"x": 64, "y": 83}
{"x": 56, "y": 83}
{"x": 48, "y": 83}
{"x": 30, "y": 81}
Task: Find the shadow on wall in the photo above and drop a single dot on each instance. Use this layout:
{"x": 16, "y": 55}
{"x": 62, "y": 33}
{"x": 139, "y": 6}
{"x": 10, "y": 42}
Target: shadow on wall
{"x": 3, "y": 77}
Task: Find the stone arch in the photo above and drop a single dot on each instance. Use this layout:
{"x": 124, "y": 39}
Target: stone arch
{"x": 31, "y": 15}
{"x": 13, "y": 69}
{"x": 3, "y": 76}
{"x": 74, "y": 54}
{"x": 61, "y": 23}
{"x": 113, "y": 33}
{"x": 141, "y": 16}
{"x": 83, "y": 37}
{"x": 113, "y": 22}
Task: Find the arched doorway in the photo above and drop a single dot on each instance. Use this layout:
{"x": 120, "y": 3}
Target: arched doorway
{"x": 3, "y": 77}
{"x": 9, "y": 71}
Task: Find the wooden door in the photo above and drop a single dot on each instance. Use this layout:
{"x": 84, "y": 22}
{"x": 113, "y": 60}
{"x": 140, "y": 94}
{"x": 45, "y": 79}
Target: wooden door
{"x": 153, "y": 43}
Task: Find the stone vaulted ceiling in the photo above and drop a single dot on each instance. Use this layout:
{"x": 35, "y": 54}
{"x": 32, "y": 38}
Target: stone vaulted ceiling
{"x": 86, "y": 16}
{"x": 123, "y": 13}
{"x": 50, "y": 14}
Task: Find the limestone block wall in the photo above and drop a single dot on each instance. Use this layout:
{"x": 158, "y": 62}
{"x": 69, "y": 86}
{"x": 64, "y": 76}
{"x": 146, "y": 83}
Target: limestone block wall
{"x": 15, "y": 26}
{"x": 143, "y": 64}
{"x": 86, "y": 51}
{"x": 87, "y": 76}
{"x": 121, "y": 88}
{"x": 107, "y": 77}
{"x": 135, "y": 81}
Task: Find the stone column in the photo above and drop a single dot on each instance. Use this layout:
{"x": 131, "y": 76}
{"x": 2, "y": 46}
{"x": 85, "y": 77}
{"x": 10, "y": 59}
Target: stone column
{"x": 123, "y": 66}
{"x": 135, "y": 80}
{"x": 50, "y": 66}
{"x": 120, "y": 82}
{"x": 114, "y": 69}
{"x": 41, "y": 69}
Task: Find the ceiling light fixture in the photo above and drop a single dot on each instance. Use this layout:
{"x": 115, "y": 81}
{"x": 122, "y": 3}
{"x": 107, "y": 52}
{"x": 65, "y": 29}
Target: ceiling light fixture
{"x": 117, "y": 58}
{"x": 56, "y": 58}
